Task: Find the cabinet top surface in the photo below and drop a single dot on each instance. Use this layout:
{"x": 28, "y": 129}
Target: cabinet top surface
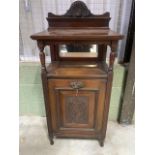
{"x": 77, "y": 34}
{"x": 71, "y": 69}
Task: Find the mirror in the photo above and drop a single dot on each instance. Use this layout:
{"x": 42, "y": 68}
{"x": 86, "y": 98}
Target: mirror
{"x": 78, "y": 50}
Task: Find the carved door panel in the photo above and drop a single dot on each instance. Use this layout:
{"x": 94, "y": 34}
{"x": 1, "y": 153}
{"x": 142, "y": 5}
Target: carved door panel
{"x": 76, "y": 109}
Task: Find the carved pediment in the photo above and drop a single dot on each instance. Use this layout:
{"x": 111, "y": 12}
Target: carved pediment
{"x": 78, "y": 9}
{"x": 78, "y": 15}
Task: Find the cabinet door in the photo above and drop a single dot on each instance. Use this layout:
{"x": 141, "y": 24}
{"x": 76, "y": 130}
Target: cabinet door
{"x": 77, "y": 111}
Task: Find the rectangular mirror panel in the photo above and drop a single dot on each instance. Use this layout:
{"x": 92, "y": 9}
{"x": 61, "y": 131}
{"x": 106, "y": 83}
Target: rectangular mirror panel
{"x": 78, "y": 50}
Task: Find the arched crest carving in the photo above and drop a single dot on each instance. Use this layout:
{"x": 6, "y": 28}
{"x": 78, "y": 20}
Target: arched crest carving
{"x": 78, "y": 9}
{"x": 78, "y": 15}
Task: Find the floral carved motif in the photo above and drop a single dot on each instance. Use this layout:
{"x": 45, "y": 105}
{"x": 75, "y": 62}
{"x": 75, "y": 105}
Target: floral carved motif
{"x": 77, "y": 109}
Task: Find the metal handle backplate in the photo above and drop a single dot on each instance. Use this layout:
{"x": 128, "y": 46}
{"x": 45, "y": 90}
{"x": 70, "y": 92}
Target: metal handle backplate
{"x": 77, "y": 84}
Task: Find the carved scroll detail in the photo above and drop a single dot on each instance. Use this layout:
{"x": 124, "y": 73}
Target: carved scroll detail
{"x": 78, "y": 9}
{"x": 41, "y": 45}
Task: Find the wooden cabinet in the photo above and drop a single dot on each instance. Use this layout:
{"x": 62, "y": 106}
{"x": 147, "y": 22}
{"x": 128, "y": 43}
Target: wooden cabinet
{"x": 77, "y": 83}
{"x": 76, "y": 111}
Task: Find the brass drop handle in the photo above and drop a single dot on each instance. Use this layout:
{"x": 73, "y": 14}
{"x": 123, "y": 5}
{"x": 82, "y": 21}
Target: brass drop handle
{"x": 77, "y": 84}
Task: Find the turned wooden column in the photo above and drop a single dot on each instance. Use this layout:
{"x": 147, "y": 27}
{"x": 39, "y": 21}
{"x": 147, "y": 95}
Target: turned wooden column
{"x": 41, "y": 46}
{"x": 113, "y": 54}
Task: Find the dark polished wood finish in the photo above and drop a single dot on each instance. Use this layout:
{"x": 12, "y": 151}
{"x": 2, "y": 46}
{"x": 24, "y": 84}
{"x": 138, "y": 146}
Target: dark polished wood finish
{"x": 77, "y": 90}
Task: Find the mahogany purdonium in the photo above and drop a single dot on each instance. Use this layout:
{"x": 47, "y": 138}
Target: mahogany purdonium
{"x": 77, "y": 82}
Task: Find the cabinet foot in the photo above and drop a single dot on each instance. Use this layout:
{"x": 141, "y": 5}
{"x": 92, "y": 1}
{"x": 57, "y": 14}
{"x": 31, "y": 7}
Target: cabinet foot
{"x": 101, "y": 142}
{"x": 51, "y": 142}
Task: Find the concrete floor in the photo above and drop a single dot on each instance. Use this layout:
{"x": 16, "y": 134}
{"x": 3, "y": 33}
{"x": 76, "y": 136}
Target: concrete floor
{"x": 34, "y": 141}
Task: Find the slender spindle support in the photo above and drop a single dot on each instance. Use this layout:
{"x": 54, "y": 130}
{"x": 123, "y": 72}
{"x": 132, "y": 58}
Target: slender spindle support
{"x": 113, "y": 46}
{"x": 41, "y": 46}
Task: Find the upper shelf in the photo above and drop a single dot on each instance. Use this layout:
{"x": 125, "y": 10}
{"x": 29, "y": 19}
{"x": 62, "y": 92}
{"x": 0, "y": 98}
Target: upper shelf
{"x": 77, "y": 34}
